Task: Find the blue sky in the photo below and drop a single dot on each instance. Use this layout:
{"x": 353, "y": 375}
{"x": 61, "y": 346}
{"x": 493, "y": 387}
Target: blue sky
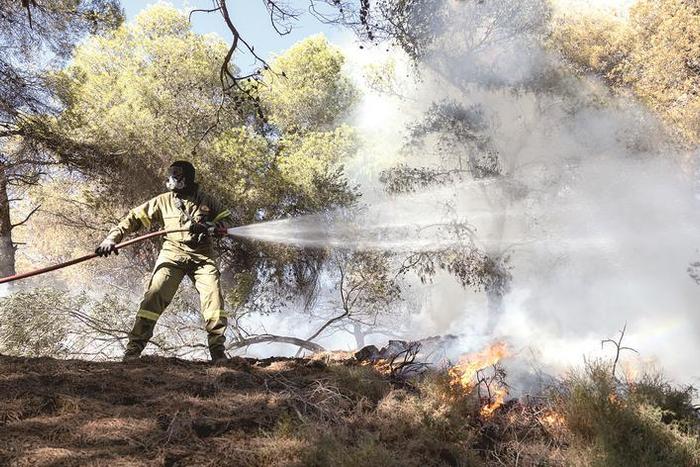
{"x": 252, "y": 20}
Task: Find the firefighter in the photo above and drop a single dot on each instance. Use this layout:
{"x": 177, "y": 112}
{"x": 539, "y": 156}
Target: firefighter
{"x": 187, "y": 253}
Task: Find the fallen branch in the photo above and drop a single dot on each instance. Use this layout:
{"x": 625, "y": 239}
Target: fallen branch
{"x": 268, "y": 338}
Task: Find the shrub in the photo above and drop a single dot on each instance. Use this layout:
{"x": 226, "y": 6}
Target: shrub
{"x": 628, "y": 424}
{"x": 32, "y": 324}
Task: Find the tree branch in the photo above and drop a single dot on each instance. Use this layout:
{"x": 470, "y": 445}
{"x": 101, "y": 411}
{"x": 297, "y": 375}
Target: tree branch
{"x": 31, "y": 213}
{"x": 262, "y": 338}
{"x": 201, "y": 10}
{"x": 328, "y": 323}
{"x": 618, "y": 347}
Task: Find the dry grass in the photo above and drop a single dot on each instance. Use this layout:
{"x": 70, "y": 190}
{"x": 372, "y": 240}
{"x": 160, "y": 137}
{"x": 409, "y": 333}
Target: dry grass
{"x": 323, "y": 411}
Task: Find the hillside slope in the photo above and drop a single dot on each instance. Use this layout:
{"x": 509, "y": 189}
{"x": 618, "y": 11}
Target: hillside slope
{"x": 329, "y": 410}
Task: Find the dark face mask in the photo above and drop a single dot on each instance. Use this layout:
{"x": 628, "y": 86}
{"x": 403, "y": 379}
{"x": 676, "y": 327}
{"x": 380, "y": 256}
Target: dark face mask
{"x": 176, "y": 180}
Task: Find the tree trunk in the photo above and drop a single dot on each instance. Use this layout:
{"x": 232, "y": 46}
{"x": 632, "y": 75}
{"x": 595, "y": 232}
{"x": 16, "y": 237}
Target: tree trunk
{"x": 7, "y": 249}
{"x": 495, "y": 308}
{"x": 359, "y": 335}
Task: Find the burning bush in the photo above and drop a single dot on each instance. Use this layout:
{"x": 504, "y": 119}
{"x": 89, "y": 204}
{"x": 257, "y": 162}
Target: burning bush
{"x": 471, "y": 374}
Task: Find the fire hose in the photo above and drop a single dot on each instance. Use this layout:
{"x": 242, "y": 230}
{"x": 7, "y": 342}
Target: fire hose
{"x": 36, "y": 272}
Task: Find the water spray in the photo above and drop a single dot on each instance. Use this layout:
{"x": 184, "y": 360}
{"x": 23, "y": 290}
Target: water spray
{"x": 304, "y": 232}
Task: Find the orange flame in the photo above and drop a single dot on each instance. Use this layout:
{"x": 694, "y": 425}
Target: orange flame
{"x": 553, "y": 419}
{"x": 463, "y": 374}
{"x": 630, "y": 371}
{"x": 497, "y": 398}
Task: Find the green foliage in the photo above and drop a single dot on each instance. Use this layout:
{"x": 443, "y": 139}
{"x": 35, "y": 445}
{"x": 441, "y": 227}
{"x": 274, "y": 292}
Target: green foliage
{"x": 150, "y": 93}
{"x": 654, "y": 53}
{"x": 675, "y": 402}
{"x": 299, "y": 174}
{"x": 306, "y": 160}
{"x": 241, "y": 167}
{"x": 638, "y": 425}
{"x": 43, "y": 29}
{"x": 306, "y": 88}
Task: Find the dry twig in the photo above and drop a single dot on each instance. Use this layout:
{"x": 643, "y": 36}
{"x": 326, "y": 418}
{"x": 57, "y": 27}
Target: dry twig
{"x": 618, "y": 348}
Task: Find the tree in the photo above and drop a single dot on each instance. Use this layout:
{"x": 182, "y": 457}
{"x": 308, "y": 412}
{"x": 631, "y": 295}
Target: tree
{"x": 654, "y": 54}
{"x": 366, "y": 289}
{"x": 455, "y": 140}
{"x": 42, "y": 33}
{"x": 304, "y": 99}
{"x": 117, "y": 98}
{"x": 470, "y": 47}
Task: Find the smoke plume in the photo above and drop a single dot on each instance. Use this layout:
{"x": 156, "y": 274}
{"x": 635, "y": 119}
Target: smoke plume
{"x": 594, "y": 206}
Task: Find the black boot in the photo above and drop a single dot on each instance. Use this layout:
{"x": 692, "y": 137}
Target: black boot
{"x": 138, "y": 338}
{"x": 131, "y": 355}
{"x": 218, "y": 354}
{"x": 216, "y": 329}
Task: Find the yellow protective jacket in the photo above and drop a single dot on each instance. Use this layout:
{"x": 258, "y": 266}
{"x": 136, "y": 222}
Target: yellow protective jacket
{"x": 164, "y": 210}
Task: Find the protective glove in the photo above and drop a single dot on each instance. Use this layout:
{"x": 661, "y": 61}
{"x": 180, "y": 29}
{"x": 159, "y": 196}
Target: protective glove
{"x": 106, "y": 248}
{"x": 199, "y": 228}
{"x": 199, "y": 231}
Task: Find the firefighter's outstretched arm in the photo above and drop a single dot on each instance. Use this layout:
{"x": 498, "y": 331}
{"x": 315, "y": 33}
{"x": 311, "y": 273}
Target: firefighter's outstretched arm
{"x": 141, "y": 216}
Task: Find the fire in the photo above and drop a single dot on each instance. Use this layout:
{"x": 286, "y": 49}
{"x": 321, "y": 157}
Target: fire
{"x": 497, "y": 398}
{"x": 630, "y": 371}
{"x": 552, "y": 419}
{"x": 464, "y": 375}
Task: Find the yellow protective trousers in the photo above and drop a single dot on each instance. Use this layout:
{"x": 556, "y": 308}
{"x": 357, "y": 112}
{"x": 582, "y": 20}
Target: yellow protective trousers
{"x": 171, "y": 267}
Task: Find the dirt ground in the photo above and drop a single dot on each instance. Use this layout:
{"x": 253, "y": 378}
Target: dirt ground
{"x": 328, "y": 410}
{"x": 154, "y": 412}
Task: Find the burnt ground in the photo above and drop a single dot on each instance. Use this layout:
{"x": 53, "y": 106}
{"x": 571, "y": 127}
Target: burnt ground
{"x": 159, "y": 411}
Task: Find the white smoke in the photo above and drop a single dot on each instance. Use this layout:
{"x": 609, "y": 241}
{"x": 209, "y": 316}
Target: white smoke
{"x": 606, "y": 222}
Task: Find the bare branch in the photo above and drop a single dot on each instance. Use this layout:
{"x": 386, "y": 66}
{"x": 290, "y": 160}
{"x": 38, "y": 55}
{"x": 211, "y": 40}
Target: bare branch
{"x": 328, "y": 323}
{"x": 263, "y": 338}
{"x": 25, "y": 3}
{"x": 31, "y": 213}
{"x": 22, "y": 179}
{"x": 280, "y": 15}
{"x": 201, "y": 10}
{"x": 618, "y": 347}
